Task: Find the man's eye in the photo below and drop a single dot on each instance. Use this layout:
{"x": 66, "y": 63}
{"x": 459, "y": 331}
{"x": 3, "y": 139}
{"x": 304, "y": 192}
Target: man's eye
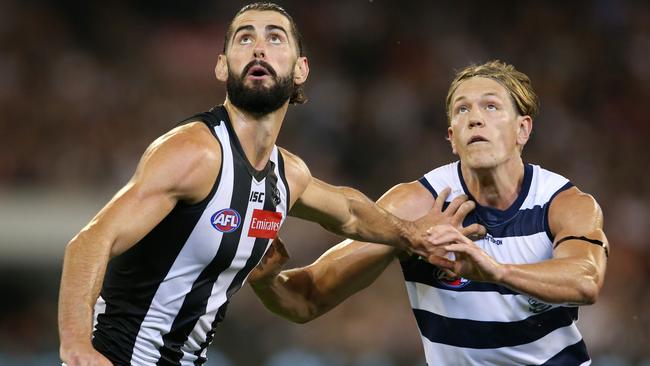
{"x": 275, "y": 39}
{"x": 463, "y": 109}
{"x": 245, "y": 40}
{"x": 491, "y": 107}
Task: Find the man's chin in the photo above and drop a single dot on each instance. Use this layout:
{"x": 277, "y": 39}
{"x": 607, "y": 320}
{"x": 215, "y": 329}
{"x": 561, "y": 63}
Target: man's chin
{"x": 258, "y": 84}
{"x": 478, "y": 162}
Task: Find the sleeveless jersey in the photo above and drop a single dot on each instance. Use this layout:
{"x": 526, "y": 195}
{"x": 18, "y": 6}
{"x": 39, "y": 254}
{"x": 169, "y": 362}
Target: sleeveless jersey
{"x": 162, "y": 299}
{"x": 464, "y": 322}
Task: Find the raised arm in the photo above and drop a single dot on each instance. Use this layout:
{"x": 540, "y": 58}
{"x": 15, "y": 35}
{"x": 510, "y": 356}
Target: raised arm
{"x": 303, "y": 294}
{"x": 180, "y": 166}
{"x": 574, "y": 275}
{"x": 347, "y": 212}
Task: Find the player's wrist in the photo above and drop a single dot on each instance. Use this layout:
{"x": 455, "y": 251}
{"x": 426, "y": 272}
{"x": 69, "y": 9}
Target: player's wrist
{"x": 72, "y": 349}
{"x": 502, "y": 273}
{"x": 408, "y": 235}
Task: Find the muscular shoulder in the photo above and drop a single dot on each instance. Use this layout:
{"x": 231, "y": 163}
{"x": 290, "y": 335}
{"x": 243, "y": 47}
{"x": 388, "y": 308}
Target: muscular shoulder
{"x": 296, "y": 171}
{"x": 576, "y": 211}
{"x": 408, "y": 201}
{"x": 184, "y": 161}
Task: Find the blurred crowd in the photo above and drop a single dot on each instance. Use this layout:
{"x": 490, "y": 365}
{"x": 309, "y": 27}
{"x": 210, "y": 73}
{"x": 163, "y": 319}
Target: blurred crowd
{"x": 86, "y": 86}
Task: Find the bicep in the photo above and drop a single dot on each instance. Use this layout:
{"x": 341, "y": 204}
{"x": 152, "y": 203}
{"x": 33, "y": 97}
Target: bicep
{"x": 130, "y": 215}
{"x": 408, "y": 201}
{"x": 576, "y": 221}
{"x": 138, "y": 207}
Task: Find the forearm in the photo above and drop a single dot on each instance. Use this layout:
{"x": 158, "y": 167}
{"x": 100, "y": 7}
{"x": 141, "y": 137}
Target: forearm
{"x": 305, "y": 293}
{"x": 288, "y": 295}
{"x": 559, "y": 281}
{"x": 83, "y": 272}
{"x": 371, "y": 223}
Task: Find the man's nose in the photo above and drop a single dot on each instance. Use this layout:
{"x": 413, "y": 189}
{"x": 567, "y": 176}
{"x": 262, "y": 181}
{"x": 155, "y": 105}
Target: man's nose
{"x": 475, "y": 122}
{"x": 475, "y": 119}
{"x": 259, "y": 51}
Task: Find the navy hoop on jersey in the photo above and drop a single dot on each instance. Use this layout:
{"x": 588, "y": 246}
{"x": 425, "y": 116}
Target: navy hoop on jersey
{"x": 473, "y": 323}
{"x": 162, "y": 299}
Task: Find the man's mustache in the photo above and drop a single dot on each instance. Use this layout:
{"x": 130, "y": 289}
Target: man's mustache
{"x": 264, "y": 64}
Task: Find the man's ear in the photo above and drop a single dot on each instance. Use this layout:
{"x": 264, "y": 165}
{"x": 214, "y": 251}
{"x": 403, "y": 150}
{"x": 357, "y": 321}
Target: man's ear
{"x": 450, "y": 135}
{"x": 300, "y": 70}
{"x": 524, "y": 129}
{"x": 221, "y": 70}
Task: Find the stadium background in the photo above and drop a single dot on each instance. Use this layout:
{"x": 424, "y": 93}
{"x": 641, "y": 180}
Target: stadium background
{"x": 85, "y": 86}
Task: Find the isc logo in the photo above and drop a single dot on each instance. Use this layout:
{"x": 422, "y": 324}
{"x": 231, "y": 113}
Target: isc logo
{"x": 257, "y": 197}
{"x": 226, "y": 220}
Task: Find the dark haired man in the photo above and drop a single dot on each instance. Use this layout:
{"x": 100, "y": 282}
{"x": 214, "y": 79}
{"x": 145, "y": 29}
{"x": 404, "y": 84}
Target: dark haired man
{"x": 157, "y": 265}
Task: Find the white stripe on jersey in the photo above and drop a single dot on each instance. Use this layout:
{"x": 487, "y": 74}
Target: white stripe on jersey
{"x": 283, "y": 206}
{"x": 521, "y": 249}
{"x": 475, "y": 304}
{"x": 100, "y": 308}
{"x": 275, "y": 156}
{"x": 534, "y": 353}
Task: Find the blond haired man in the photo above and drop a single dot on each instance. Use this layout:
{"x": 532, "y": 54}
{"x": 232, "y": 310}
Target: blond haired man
{"x": 509, "y": 298}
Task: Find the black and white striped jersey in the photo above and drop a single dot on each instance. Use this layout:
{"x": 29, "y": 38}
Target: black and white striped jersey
{"x": 465, "y": 322}
{"x": 162, "y": 299}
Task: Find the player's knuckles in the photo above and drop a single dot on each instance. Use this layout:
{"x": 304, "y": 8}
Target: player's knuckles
{"x": 458, "y": 201}
{"x": 443, "y": 228}
{"x": 465, "y": 208}
{"x": 444, "y": 194}
{"x": 474, "y": 231}
{"x": 453, "y": 207}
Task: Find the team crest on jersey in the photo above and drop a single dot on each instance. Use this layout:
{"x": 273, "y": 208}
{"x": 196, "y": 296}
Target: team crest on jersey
{"x": 536, "y": 306}
{"x": 226, "y": 220}
{"x": 450, "y": 281}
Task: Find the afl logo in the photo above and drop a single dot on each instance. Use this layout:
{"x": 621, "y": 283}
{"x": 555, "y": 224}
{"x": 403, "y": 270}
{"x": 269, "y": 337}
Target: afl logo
{"x": 226, "y": 220}
{"x": 450, "y": 281}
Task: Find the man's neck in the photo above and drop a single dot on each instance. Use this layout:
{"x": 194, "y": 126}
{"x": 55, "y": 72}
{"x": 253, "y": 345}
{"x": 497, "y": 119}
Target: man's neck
{"x": 257, "y": 134}
{"x": 496, "y": 187}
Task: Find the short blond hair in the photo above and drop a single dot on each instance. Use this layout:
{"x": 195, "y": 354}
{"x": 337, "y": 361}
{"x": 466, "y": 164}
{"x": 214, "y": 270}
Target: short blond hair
{"x": 516, "y": 83}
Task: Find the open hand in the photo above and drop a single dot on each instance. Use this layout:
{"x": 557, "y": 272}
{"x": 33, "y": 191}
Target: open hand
{"x": 453, "y": 215}
{"x": 469, "y": 260}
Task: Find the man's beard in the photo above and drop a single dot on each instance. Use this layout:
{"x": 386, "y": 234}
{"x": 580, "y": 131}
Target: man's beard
{"x": 258, "y": 99}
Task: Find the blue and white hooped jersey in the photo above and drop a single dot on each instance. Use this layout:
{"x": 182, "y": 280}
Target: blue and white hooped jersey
{"x": 465, "y": 322}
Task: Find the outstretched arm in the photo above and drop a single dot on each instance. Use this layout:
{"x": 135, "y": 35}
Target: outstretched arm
{"x": 175, "y": 167}
{"x": 574, "y": 275}
{"x": 303, "y": 294}
{"x": 349, "y": 213}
